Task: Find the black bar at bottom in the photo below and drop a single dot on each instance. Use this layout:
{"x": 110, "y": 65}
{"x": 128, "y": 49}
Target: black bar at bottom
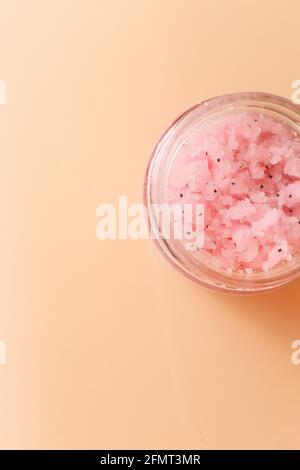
{"x": 143, "y": 458}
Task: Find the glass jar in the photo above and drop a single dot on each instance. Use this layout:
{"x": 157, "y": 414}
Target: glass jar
{"x": 156, "y": 183}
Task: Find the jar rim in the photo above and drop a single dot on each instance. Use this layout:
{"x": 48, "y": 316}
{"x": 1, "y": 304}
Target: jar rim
{"x": 210, "y": 277}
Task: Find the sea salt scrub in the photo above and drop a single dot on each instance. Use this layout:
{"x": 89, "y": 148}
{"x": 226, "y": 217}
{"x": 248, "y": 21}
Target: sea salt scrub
{"x": 234, "y": 162}
{"x": 245, "y": 169}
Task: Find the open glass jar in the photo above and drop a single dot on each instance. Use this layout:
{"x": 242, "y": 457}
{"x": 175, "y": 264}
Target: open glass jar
{"x": 268, "y": 108}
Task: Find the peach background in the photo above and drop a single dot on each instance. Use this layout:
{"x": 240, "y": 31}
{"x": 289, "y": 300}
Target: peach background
{"x": 108, "y": 347}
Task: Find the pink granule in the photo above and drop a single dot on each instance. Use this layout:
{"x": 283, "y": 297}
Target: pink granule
{"x": 245, "y": 169}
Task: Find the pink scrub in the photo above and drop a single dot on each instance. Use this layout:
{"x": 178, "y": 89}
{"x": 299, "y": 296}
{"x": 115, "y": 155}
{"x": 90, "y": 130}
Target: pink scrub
{"x": 245, "y": 169}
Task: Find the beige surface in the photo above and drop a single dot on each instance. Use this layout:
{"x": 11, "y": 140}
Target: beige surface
{"x": 108, "y": 347}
